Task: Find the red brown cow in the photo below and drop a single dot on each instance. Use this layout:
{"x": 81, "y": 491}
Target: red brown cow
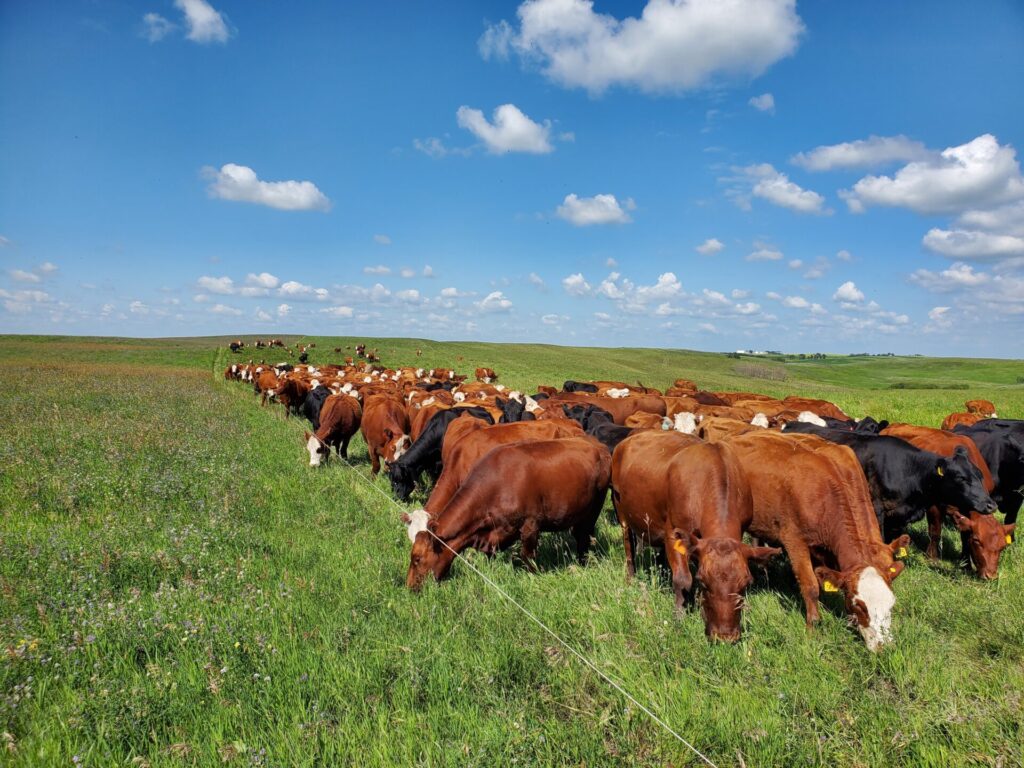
{"x": 620, "y": 408}
{"x": 340, "y": 417}
{"x": 966, "y": 419}
{"x": 981, "y": 407}
{"x": 811, "y": 497}
{"x": 265, "y": 385}
{"x": 486, "y": 375}
{"x": 692, "y": 499}
{"x": 385, "y": 428}
{"x": 515, "y": 493}
{"x": 983, "y": 537}
{"x": 817, "y": 407}
{"x": 464, "y": 446}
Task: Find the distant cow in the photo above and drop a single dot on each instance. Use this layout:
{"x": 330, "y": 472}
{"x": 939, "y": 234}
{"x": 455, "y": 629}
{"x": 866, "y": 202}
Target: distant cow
{"x": 692, "y": 500}
{"x": 955, "y": 420}
{"x": 340, "y": 418}
{"x": 515, "y": 493}
{"x": 982, "y": 408}
{"x": 237, "y": 345}
{"x": 486, "y": 375}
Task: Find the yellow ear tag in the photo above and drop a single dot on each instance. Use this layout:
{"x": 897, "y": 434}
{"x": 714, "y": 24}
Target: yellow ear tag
{"x": 1009, "y": 539}
{"x": 679, "y": 547}
{"x": 941, "y": 471}
{"x": 830, "y": 587}
{"x": 902, "y": 552}
{"x": 892, "y": 569}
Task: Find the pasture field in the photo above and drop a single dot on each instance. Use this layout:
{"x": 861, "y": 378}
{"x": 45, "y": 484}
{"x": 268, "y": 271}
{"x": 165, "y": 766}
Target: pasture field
{"x": 178, "y": 587}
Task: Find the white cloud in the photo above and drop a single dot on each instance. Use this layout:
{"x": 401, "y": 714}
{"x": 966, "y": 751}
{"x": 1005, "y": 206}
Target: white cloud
{"x": 979, "y": 174}
{"x": 795, "y": 263}
{"x": 707, "y": 327}
{"x": 510, "y": 131}
{"x": 710, "y": 246}
{"x": 435, "y": 147}
{"x": 844, "y": 255}
{"x": 715, "y": 297}
{"x": 748, "y": 308}
{"x": 47, "y": 268}
{"x": 428, "y": 271}
{"x": 283, "y": 310}
{"x": 848, "y": 292}
{"x": 764, "y": 252}
{"x": 224, "y": 309}
{"x": 220, "y": 285}
{"x": 262, "y": 280}
{"x": 240, "y": 183}
{"x": 23, "y": 301}
{"x": 773, "y": 295}
{"x": 156, "y": 27}
{"x": 971, "y": 244}
{"x": 338, "y": 312}
{"x": 672, "y": 47}
{"x": 863, "y": 153}
{"x": 537, "y": 280}
{"x": 763, "y": 103}
{"x": 576, "y": 285}
{"x": 138, "y": 308}
{"x": 1008, "y": 219}
{"x": 21, "y": 276}
{"x": 297, "y": 290}
{"x": 776, "y": 187}
{"x": 205, "y": 24}
{"x": 611, "y": 263}
{"x": 600, "y": 209}
{"x": 407, "y": 272}
{"x": 957, "y": 276}
{"x": 738, "y": 293}
{"x": 494, "y": 302}
{"x": 380, "y": 269}
{"x": 263, "y": 316}
{"x": 382, "y": 239}
{"x": 940, "y": 317}
{"x": 552, "y": 319}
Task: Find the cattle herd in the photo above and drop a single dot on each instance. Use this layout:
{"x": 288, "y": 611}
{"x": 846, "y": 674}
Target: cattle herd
{"x": 690, "y": 472}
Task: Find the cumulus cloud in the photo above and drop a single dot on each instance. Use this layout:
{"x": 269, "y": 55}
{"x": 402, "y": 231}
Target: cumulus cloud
{"x": 21, "y": 276}
{"x": 435, "y": 147}
{"x": 138, "y": 308}
{"x": 848, "y": 292}
{"x": 221, "y": 285}
{"x": 976, "y": 175}
{"x": 764, "y": 252}
{"x": 407, "y": 272}
{"x": 46, "y": 268}
{"x": 710, "y": 246}
{"x": 428, "y": 271}
{"x": 575, "y": 285}
{"x": 155, "y": 27}
{"x": 224, "y": 309}
{"x": 296, "y": 290}
{"x": 763, "y": 103}
{"x": 1007, "y": 219}
{"x": 599, "y": 209}
{"x": 674, "y": 46}
{"x": 380, "y": 269}
{"x": 971, "y": 244}
{"x": 262, "y": 315}
{"x": 863, "y": 153}
{"x": 283, "y": 310}
{"x": 493, "y": 302}
{"x": 338, "y": 312}
{"x": 957, "y": 276}
{"x": 508, "y": 131}
{"x": 205, "y": 24}
{"x": 262, "y": 280}
{"x": 240, "y": 183}
{"x": 796, "y": 302}
{"x": 382, "y": 239}
{"x": 796, "y": 263}
{"x": 774, "y": 186}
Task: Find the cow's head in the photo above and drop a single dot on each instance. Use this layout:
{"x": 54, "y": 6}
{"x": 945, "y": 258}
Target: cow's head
{"x": 986, "y": 538}
{"x": 397, "y": 444}
{"x": 428, "y": 554}
{"x": 403, "y": 481}
{"x": 318, "y": 451}
{"x": 869, "y": 597}
{"x": 960, "y": 483}
{"x": 723, "y": 569}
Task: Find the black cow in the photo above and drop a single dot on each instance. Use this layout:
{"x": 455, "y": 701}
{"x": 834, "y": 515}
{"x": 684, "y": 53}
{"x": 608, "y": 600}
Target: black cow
{"x": 312, "y": 403}
{"x": 906, "y": 481}
{"x": 1001, "y": 442}
{"x": 867, "y": 425}
{"x": 513, "y": 410}
{"x": 578, "y": 386}
{"x": 425, "y": 454}
{"x": 598, "y": 423}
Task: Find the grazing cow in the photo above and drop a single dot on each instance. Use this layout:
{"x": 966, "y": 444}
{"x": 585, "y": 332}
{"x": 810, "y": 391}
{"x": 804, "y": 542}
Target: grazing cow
{"x": 515, "y": 493}
{"x": 619, "y": 408}
{"x": 385, "y": 428}
{"x": 236, "y": 346}
{"x": 513, "y": 410}
{"x": 486, "y": 375}
{"x": 817, "y": 407}
{"x": 981, "y": 407}
{"x": 340, "y": 417}
{"x": 598, "y": 423}
{"x": 265, "y": 385}
{"x": 955, "y": 420}
{"x": 313, "y": 404}
{"x": 692, "y": 500}
{"x": 811, "y": 497}
{"x": 1001, "y": 442}
{"x": 906, "y": 481}
{"x": 983, "y": 537}
{"x": 425, "y": 453}
{"x": 578, "y": 386}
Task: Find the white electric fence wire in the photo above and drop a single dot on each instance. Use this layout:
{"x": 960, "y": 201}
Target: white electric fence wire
{"x": 545, "y": 627}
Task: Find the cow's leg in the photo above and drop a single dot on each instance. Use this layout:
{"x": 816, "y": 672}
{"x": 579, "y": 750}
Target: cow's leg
{"x": 1010, "y": 506}
{"x": 803, "y": 569}
{"x": 966, "y": 561}
{"x": 530, "y": 537}
{"x": 374, "y": 461}
{"x": 935, "y": 516}
{"x": 679, "y": 564}
{"x": 343, "y": 447}
{"x": 582, "y": 534}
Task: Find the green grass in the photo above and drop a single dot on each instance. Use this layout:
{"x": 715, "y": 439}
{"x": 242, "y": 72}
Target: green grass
{"x": 177, "y": 587}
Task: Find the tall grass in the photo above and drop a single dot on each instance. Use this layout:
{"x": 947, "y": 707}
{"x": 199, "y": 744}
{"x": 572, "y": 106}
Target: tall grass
{"x": 177, "y": 587}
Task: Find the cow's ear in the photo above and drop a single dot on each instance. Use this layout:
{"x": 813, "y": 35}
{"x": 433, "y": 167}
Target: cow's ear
{"x": 306, "y": 436}
{"x": 828, "y": 579}
{"x": 962, "y": 523}
{"x": 960, "y": 451}
{"x": 898, "y": 546}
{"x": 761, "y": 555}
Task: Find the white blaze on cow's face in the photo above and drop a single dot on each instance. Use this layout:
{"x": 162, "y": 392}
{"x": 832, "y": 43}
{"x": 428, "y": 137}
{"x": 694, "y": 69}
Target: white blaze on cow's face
{"x": 314, "y": 447}
{"x": 811, "y": 418}
{"x": 401, "y": 445}
{"x": 531, "y": 404}
{"x": 760, "y": 420}
{"x": 686, "y": 423}
{"x": 618, "y": 393}
{"x": 487, "y": 379}
{"x": 460, "y": 397}
{"x": 877, "y": 598}
{"x": 419, "y": 373}
{"x": 451, "y": 374}
{"x": 417, "y": 523}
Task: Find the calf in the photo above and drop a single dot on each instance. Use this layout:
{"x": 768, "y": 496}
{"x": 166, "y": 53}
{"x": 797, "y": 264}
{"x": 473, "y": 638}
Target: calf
{"x": 811, "y": 497}
{"x": 675, "y": 492}
{"x": 340, "y": 417}
{"x": 514, "y": 493}
{"x": 983, "y": 537}
{"x": 385, "y": 428}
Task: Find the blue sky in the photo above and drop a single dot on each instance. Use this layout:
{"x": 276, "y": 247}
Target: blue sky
{"x": 710, "y": 174}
